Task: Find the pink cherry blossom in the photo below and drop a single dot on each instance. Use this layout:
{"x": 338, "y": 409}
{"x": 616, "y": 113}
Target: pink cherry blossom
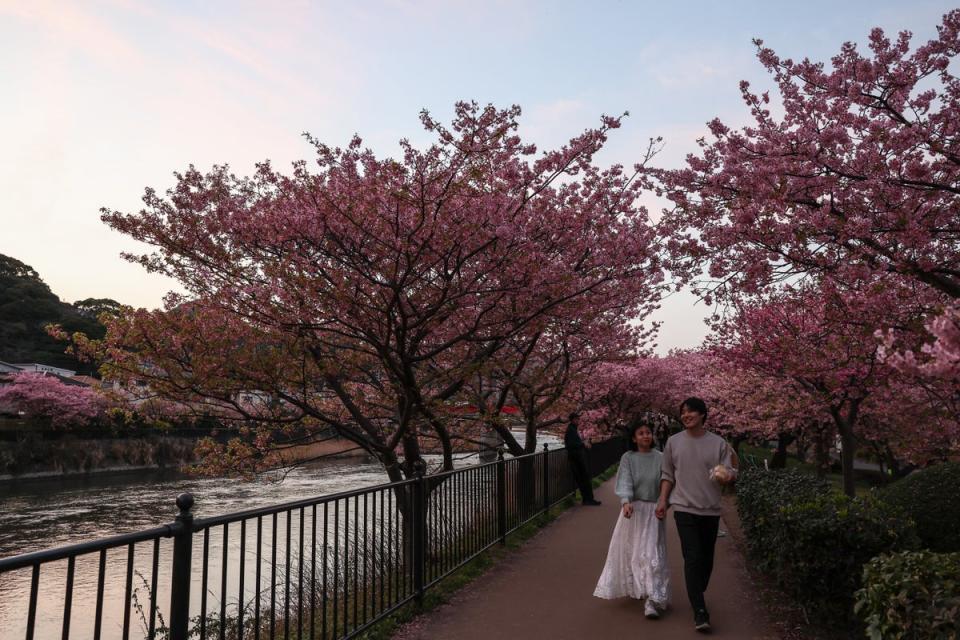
{"x": 42, "y": 397}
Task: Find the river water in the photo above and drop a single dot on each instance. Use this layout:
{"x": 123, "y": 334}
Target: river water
{"x": 37, "y": 515}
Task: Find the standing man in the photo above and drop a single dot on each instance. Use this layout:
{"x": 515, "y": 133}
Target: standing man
{"x": 577, "y": 455}
{"x": 686, "y": 484}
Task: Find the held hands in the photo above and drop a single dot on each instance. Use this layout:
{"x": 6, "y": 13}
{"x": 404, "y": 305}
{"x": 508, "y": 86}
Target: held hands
{"x": 661, "y": 510}
{"x": 627, "y": 510}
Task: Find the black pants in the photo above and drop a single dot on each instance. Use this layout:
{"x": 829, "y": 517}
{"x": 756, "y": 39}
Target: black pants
{"x": 698, "y": 537}
{"x": 581, "y": 473}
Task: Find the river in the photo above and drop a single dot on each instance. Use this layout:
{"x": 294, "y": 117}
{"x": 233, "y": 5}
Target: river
{"x": 41, "y": 514}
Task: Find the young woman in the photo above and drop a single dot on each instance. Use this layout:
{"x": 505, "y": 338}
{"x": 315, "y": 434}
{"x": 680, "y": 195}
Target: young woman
{"x": 636, "y": 564}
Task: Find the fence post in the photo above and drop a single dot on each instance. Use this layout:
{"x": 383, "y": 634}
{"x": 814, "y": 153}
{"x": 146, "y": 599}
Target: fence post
{"x": 180, "y": 580}
{"x": 419, "y": 533}
{"x": 546, "y": 479}
{"x": 501, "y": 497}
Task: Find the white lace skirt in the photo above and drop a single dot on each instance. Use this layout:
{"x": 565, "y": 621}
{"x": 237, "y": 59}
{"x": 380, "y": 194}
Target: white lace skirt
{"x": 636, "y": 564}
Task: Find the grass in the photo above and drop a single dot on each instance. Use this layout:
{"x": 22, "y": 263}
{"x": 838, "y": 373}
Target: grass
{"x": 445, "y": 589}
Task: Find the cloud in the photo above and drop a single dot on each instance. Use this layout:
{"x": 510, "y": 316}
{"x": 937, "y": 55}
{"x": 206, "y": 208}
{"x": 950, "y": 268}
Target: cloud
{"x": 278, "y": 57}
{"x": 69, "y": 25}
{"x": 551, "y": 124}
{"x": 690, "y": 69}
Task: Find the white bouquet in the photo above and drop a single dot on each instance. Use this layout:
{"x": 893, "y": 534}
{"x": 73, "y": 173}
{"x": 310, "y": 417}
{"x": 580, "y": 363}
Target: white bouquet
{"x": 722, "y": 474}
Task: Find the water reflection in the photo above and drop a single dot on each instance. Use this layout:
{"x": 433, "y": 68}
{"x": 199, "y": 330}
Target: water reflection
{"x": 40, "y": 515}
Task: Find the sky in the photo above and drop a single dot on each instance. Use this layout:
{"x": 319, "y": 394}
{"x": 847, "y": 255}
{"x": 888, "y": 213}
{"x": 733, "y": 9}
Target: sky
{"x": 101, "y": 99}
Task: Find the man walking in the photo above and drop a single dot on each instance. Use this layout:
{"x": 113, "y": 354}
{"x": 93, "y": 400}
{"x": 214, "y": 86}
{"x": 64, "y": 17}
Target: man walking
{"x": 577, "y": 455}
{"x": 688, "y": 485}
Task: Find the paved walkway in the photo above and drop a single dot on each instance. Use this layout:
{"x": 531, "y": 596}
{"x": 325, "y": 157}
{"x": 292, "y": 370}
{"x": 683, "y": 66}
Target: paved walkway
{"x": 545, "y": 591}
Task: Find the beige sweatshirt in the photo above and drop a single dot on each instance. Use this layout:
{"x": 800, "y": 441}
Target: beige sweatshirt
{"x": 687, "y": 461}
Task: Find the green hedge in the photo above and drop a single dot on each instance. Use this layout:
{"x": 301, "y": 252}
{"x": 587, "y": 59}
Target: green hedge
{"x": 760, "y": 494}
{"x": 931, "y": 497}
{"x": 911, "y": 596}
{"x": 813, "y": 540}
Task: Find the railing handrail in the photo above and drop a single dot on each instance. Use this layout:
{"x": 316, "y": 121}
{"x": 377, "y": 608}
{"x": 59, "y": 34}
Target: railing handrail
{"x": 481, "y": 465}
{"x": 92, "y": 546}
{"x": 227, "y": 518}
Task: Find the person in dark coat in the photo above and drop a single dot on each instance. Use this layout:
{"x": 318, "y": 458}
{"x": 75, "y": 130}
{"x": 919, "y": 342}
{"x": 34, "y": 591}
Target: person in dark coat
{"x": 577, "y": 455}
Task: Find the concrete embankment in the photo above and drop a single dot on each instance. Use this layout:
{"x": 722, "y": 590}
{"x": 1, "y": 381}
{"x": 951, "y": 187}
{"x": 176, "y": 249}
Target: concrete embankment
{"x": 32, "y": 456}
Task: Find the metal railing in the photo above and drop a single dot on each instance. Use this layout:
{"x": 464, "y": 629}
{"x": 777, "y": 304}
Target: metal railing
{"x": 323, "y": 568}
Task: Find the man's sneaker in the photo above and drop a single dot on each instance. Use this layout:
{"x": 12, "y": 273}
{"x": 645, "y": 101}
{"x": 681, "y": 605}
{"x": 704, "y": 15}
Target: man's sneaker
{"x": 650, "y": 610}
{"x": 592, "y": 503}
{"x": 701, "y": 620}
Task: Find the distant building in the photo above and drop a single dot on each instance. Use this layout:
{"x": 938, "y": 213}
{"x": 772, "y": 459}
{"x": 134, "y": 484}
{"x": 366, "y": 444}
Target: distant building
{"x": 66, "y": 376}
{"x": 34, "y": 367}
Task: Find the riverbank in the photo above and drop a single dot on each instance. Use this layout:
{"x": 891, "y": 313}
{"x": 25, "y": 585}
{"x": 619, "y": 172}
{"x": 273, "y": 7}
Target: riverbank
{"x": 33, "y": 457}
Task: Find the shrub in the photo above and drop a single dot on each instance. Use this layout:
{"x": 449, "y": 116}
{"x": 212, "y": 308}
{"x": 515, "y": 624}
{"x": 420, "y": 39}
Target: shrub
{"x": 827, "y": 540}
{"x": 931, "y": 498}
{"x": 760, "y": 494}
{"x": 911, "y": 596}
{"x": 814, "y": 540}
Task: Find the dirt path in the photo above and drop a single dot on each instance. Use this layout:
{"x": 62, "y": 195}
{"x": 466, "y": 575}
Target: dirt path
{"x": 545, "y": 591}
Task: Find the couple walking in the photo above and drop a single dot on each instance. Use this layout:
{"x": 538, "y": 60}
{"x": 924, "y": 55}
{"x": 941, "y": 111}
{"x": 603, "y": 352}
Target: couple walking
{"x": 687, "y": 476}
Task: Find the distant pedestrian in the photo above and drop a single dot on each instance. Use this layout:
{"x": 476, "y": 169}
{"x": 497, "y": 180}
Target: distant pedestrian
{"x": 636, "y": 565}
{"x": 696, "y": 463}
{"x": 661, "y": 431}
{"x": 577, "y": 455}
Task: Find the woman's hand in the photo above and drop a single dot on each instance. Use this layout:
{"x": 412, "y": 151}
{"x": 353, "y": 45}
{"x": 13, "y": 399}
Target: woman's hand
{"x": 627, "y": 510}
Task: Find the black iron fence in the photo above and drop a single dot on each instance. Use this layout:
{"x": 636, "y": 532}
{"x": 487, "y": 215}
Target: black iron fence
{"x": 324, "y": 568}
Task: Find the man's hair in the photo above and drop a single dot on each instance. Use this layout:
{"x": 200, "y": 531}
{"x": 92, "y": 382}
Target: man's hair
{"x": 695, "y": 404}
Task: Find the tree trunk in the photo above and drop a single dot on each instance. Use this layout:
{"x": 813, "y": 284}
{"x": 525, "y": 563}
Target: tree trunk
{"x": 803, "y": 448}
{"x": 821, "y": 454}
{"x": 779, "y": 459}
{"x": 847, "y": 457}
{"x": 848, "y": 443}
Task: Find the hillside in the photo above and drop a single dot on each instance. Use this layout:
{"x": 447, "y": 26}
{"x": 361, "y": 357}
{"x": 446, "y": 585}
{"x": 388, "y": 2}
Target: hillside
{"x": 27, "y": 304}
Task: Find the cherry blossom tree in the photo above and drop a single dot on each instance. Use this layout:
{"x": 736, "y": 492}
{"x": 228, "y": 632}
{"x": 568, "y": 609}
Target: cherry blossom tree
{"x": 822, "y": 339}
{"x": 906, "y": 426}
{"x": 851, "y": 173}
{"x": 857, "y": 177}
{"x": 364, "y": 295}
{"x": 618, "y": 392}
{"x": 43, "y": 397}
{"x": 548, "y": 387}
